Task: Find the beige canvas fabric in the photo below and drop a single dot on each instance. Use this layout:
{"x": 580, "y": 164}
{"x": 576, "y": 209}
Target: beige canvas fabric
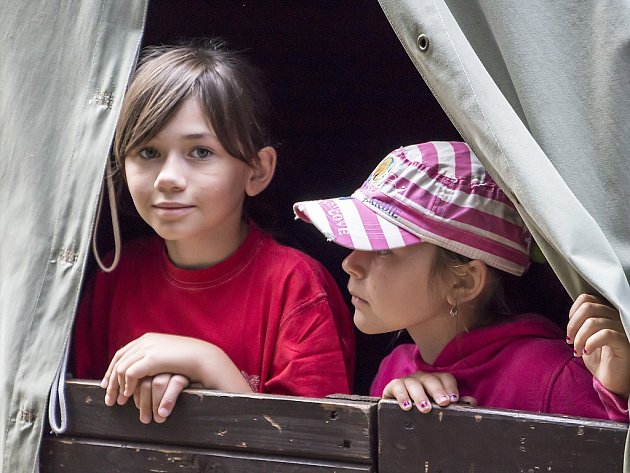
{"x": 64, "y": 66}
{"x": 541, "y": 92}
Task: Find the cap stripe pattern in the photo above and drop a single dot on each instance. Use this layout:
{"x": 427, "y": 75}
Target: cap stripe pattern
{"x": 437, "y": 192}
{"x": 460, "y": 210}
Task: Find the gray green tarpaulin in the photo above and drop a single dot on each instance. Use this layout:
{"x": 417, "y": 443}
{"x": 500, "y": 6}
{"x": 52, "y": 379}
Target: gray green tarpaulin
{"x": 64, "y": 66}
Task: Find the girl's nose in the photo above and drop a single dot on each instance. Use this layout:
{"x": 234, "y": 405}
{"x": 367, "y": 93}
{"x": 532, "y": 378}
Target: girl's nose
{"x": 172, "y": 175}
{"x": 355, "y": 264}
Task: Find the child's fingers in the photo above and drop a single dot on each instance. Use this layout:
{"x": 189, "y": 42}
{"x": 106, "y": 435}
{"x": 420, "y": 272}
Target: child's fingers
{"x": 579, "y": 300}
{"x": 584, "y": 308}
{"x": 116, "y": 382}
{"x": 120, "y": 370}
{"x": 138, "y": 368}
{"x": 613, "y": 338}
{"x": 417, "y": 392}
{"x": 115, "y": 359}
{"x": 396, "y": 389}
{"x": 450, "y": 386}
{"x": 433, "y": 386}
{"x": 158, "y": 387}
{"x": 174, "y": 387}
{"x": 136, "y": 398}
{"x": 145, "y": 404}
{"x": 108, "y": 374}
{"x": 111, "y": 392}
{"x": 597, "y": 329}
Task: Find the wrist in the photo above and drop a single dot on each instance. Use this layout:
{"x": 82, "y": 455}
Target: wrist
{"x": 215, "y": 370}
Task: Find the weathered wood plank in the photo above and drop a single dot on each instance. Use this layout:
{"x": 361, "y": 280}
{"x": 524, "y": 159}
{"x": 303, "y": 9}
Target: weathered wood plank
{"x": 466, "y": 439}
{"x": 329, "y": 429}
{"x": 80, "y": 455}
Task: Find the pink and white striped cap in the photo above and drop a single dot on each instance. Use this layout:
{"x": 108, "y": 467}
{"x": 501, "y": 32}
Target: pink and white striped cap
{"x": 436, "y": 192}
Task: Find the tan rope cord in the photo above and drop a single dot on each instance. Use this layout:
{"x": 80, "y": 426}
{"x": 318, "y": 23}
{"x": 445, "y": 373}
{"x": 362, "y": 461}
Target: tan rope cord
{"x": 115, "y": 223}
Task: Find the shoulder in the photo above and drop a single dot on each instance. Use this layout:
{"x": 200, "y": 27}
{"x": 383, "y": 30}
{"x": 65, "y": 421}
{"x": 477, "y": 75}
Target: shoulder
{"x": 539, "y": 356}
{"x": 292, "y": 262}
{"x": 298, "y": 283}
{"x": 535, "y": 338}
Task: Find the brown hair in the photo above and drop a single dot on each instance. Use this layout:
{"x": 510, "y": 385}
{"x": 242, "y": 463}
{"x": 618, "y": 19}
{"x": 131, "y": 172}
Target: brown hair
{"x": 228, "y": 88}
{"x": 491, "y": 305}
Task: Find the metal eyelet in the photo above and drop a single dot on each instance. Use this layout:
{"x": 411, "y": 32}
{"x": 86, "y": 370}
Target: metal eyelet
{"x": 423, "y": 42}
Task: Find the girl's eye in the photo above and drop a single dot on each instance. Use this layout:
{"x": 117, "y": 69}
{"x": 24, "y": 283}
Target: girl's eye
{"x": 383, "y": 252}
{"x": 201, "y": 153}
{"x": 149, "y": 153}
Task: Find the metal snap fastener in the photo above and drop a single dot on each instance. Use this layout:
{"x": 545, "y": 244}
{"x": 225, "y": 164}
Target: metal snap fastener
{"x": 423, "y": 42}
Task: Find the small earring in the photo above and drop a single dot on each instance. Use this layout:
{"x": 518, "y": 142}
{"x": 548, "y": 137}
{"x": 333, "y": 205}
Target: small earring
{"x": 453, "y": 311}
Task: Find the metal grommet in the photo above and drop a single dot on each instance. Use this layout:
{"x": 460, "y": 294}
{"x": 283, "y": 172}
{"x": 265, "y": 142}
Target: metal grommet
{"x": 423, "y": 42}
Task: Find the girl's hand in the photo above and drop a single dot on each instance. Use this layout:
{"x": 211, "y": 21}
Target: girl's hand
{"x": 155, "y": 353}
{"x": 155, "y": 396}
{"x": 418, "y": 387}
{"x": 597, "y": 335}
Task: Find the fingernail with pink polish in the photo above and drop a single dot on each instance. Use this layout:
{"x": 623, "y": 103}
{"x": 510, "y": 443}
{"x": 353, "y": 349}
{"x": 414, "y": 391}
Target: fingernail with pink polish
{"x": 568, "y": 339}
{"x": 584, "y": 352}
{"x": 575, "y": 353}
{"x": 424, "y": 405}
{"x": 406, "y": 404}
{"x": 454, "y": 397}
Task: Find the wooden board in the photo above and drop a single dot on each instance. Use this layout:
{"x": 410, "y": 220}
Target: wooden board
{"x": 339, "y": 429}
{"x": 464, "y": 439}
{"x": 220, "y": 432}
{"x": 74, "y": 455}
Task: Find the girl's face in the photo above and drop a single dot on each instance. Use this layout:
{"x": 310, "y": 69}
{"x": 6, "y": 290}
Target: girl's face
{"x": 189, "y": 189}
{"x": 391, "y": 290}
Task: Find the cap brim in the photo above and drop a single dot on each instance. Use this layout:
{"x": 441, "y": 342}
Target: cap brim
{"x": 349, "y": 223}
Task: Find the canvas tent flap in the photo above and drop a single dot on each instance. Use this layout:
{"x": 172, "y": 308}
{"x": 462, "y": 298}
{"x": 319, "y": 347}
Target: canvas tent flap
{"x": 541, "y": 92}
{"x": 64, "y": 67}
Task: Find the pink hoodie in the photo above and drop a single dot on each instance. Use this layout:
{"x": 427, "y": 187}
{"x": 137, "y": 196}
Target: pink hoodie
{"x": 522, "y": 364}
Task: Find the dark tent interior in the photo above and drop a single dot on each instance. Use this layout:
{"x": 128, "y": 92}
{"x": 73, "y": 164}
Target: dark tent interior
{"x": 344, "y": 93}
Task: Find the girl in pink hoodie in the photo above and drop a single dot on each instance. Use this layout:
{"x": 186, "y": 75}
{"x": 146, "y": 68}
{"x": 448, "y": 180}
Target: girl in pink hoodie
{"x": 431, "y": 233}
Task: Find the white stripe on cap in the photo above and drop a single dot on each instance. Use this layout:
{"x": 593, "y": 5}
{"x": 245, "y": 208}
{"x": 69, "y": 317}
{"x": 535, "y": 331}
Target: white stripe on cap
{"x": 353, "y": 220}
{"x": 446, "y": 158}
{"x": 391, "y": 232}
{"x": 317, "y": 216}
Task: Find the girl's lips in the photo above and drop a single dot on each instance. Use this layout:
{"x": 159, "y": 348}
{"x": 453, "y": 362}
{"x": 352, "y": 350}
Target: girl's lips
{"x": 172, "y": 210}
{"x": 171, "y": 205}
{"x": 357, "y": 300}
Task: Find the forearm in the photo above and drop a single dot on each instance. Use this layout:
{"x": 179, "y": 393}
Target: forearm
{"x": 213, "y": 369}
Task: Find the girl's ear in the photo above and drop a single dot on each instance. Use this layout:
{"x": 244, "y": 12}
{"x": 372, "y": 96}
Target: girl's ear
{"x": 262, "y": 171}
{"x": 470, "y": 281}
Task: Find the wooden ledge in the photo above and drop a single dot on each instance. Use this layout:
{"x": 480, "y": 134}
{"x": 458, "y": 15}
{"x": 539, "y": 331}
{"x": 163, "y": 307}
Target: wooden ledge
{"x": 223, "y": 432}
{"x": 470, "y": 439}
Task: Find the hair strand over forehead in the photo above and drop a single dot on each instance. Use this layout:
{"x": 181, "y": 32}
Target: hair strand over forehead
{"x": 227, "y": 86}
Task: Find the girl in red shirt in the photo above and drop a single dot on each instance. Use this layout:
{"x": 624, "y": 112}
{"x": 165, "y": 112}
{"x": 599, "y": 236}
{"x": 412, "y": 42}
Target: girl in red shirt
{"x": 210, "y": 300}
